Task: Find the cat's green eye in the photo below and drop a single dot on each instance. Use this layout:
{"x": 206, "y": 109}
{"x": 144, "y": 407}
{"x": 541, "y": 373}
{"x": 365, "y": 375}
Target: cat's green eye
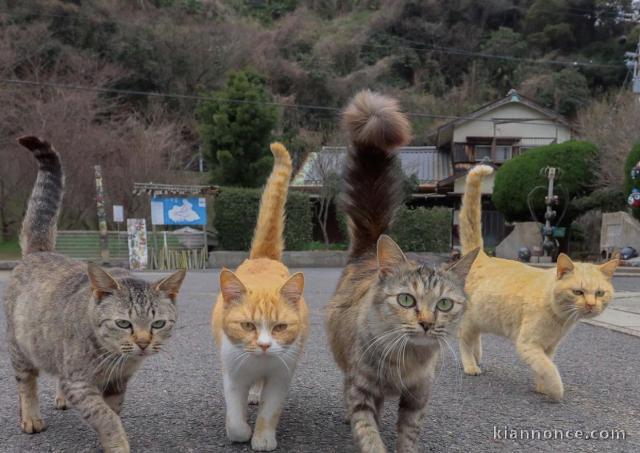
{"x": 599, "y": 293}
{"x": 248, "y": 326}
{"x": 406, "y": 300}
{"x": 123, "y": 324}
{"x": 578, "y": 292}
{"x": 159, "y": 324}
{"x": 279, "y": 327}
{"x": 444, "y": 305}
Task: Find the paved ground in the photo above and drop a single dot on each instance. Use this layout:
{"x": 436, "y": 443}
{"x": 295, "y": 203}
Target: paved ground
{"x": 176, "y": 404}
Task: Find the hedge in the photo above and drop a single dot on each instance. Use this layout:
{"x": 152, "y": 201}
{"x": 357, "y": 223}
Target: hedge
{"x": 632, "y": 159}
{"x": 423, "y": 230}
{"x": 236, "y": 213}
{"x": 516, "y": 177}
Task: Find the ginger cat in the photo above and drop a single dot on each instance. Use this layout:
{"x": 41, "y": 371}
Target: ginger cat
{"x": 533, "y": 307}
{"x": 389, "y": 316}
{"x": 260, "y": 320}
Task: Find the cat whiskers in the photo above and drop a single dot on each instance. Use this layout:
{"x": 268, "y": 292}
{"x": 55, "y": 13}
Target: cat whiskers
{"x": 387, "y": 353}
{"x": 377, "y": 340}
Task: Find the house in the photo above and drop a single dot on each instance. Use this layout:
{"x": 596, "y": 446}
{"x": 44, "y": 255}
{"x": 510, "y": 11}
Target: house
{"x": 494, "y": 133}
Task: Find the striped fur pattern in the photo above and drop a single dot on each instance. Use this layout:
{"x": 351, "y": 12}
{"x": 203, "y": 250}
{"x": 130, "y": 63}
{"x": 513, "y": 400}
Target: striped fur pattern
{"x": 40, "y": 223}
{"x": 268, "y": 239}
{"x": 383, "y": 347}
{"x": 88, "y": 327}
{"x": 260, "y": 321}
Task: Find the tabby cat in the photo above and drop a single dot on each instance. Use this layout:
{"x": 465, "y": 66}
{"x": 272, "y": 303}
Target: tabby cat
{"x": 535, "y": 308}
{"x": 260, "y": 321}
{"x": 389, "y": 315}
{"x": 90, "y": 328}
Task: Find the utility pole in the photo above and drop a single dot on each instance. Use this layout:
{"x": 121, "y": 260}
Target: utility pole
{"x": 102, "y": 216}
{"x": 633, "y": 63}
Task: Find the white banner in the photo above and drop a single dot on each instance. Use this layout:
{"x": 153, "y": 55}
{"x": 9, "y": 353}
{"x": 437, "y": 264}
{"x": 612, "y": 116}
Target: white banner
{"x": 137, "y": 233}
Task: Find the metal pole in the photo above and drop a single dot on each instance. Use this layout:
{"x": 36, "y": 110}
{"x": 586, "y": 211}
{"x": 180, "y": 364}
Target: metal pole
{"x": 102, "y": 217}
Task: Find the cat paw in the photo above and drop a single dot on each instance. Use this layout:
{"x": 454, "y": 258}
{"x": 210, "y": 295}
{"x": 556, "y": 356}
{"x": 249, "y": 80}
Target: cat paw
{"x": 239, "y": 432}
{"x": 556, "y": 394}
{"x": 61, "y": 403}
{"x": 472, "y": 370}
{"x": 121, "y": 446}
{"x": 264, "y": 441}
{"x": 32, "y": 425}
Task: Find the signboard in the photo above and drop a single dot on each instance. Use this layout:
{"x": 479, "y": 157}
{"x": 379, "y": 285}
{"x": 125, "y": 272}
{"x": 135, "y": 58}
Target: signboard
{"x": 178, "y": 211}
{"x": 118, "y": 213}
{"x": 137, "y": 234}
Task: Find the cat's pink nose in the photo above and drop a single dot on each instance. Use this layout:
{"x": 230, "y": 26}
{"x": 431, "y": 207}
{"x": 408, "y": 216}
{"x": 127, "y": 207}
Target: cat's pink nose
{"x": 264, "y": 346}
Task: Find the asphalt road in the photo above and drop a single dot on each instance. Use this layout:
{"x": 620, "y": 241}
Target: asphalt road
{"x": 176, "y": 404}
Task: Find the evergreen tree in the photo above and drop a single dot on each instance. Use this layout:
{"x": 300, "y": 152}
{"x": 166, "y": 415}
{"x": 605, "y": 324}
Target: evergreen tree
{"x": 236, "y": 133}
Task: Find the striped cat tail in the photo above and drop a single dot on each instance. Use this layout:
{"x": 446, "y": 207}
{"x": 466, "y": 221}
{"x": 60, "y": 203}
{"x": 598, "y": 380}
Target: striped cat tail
{"x": 471, "y": 211}
{"x": 373, "y": 190}
{"x": 39, "y": 226}
{"x": 268, "y": 241}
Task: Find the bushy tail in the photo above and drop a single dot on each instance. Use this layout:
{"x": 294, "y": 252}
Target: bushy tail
{"x": 471, "y": 211}
{"x": 268, "y": 240}
{"x": 373, "y": 190}
{"x": 39, "y": 226}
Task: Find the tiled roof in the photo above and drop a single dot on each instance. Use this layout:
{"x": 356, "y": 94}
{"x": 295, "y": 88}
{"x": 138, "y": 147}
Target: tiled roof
{"x": 426, "y": 162}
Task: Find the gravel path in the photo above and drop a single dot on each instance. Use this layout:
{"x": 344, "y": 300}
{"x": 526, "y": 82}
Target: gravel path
{"x": 176, "y": 404}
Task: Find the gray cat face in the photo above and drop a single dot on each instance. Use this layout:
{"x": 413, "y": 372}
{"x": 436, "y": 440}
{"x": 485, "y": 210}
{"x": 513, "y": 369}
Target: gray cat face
{"x": 418, "y": 303}
{"x": 132, "y": 316}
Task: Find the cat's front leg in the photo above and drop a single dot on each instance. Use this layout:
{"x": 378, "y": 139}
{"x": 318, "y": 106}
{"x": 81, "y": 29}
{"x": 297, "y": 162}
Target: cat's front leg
{"x": 114, "y": 396}
{"x": 363, "y": 396}
{"x": 547, "y": 377}
{"x": 274, "y": 393}
{"x": 88, "y": 399}
{"x": 412, "y": 409}
{"x": 236, "y": 392}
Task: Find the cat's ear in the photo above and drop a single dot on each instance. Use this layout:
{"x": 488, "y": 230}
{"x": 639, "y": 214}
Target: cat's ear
{"x": 101, "y": 282}
{"x": 390, "y": 255}
{"x": 609, "y": 268}
{"x": 564, "y": 265}
{"x": 171, "y": 285}
{"x": 292, "y": 289}
{"x": 233, "y": 290}
{"x": 462, "y": 267}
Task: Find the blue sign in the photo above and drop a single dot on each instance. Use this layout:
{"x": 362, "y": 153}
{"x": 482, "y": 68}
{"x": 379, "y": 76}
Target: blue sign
{"x": 178, "y": 211}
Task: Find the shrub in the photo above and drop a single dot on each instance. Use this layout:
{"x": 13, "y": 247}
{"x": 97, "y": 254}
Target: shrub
{"x": 516, "y": 177}
{"x": 632, "y": 159}
{"x": 605, "y": 200}
{"x": 423, "y": 230}
{"x": 237, "y": 212}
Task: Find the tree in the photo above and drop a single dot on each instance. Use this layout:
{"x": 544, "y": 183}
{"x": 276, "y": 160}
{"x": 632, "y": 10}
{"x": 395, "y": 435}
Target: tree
{"x": 324, "y": 170}
{"x": 516, "y": 177}
{"x": 235, "y": 127}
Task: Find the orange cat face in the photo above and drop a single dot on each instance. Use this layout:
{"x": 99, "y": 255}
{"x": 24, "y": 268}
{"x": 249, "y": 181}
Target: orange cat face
{"x": 262, "y": 322}
{"x": 583, "y": 289}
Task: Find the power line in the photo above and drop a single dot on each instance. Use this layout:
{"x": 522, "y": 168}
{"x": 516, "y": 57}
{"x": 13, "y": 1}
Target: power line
{"x": 194, "y": 97}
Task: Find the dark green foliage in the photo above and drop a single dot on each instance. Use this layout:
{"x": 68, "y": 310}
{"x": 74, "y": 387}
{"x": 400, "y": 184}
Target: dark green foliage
{"x": 605, "y": 200}
{"x": 236, "y": 135}
{"x": 236, "y": 213}
{"x": 632, "y": 159}
{"x": 515, "y": 179}
{"x": 423, "y": 230}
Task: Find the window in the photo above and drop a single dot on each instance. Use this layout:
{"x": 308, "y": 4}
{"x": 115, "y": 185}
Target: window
{"x": 503, "y": 152}
{"x": 482, "y": 151}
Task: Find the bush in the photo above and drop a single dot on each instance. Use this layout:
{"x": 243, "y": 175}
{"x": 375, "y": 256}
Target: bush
{"x": 605, "y": 200}
{"x": 423, "y": 230}
{"x": 632, "y": 159}
{"x": 516, "y": 177}
{"x": 237, "y": 212}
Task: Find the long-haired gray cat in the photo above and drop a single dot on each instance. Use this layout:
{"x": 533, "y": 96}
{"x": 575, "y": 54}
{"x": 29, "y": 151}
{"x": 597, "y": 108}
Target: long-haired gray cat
{"x": 389, "y": 314}
{"x": 88, "y": 327}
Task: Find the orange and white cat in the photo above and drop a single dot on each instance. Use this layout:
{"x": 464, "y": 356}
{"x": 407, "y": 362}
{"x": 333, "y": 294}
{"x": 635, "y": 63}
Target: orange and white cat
{"x": 533, "y": 307}
{"x": 260, "y": 321}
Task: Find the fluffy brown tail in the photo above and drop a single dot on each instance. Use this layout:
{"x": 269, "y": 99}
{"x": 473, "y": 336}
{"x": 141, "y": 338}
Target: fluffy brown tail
{"x": 471, "y": 211}
{"x": 373, "y": 191}
{"x": 268, "y": 241}
{"x": 39, "y": 226}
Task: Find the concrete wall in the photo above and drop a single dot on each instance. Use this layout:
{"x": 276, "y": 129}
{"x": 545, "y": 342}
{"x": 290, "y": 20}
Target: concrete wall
{"x": 540, "y": 128}
{"x": 619, "y": 230}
